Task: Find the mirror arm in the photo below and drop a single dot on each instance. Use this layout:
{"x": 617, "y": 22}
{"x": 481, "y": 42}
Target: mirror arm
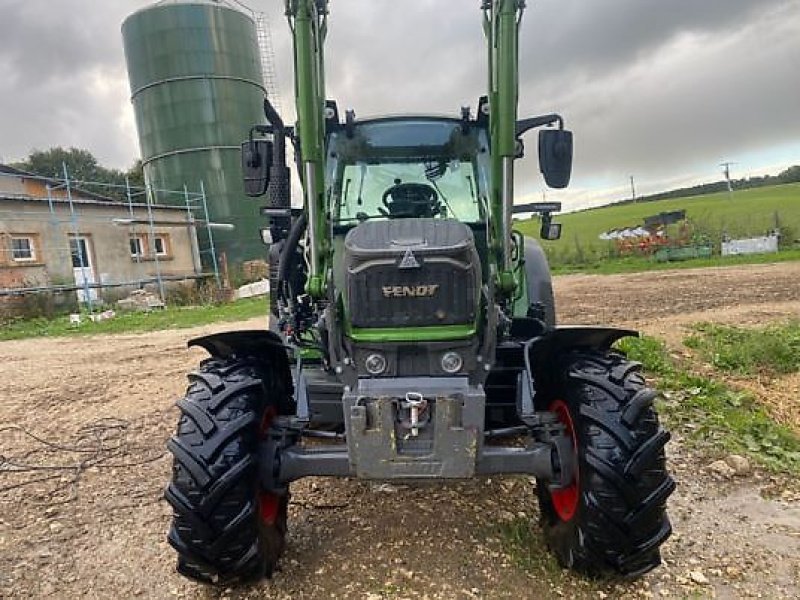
{"x": 534, "y": 122}
{"x": 280, "y": 131}
{"x": 537, "y": 207}
{"x": 262, "y": 129}
{"x": 273, "y": 117}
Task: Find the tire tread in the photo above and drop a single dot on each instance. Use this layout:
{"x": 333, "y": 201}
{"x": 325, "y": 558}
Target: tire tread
{"x": 621, "y": 520}
{"x": 216, "y": 529}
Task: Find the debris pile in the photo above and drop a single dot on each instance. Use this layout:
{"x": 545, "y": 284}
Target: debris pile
{"x": 141, "y": 300}
{"x": 253, "y": 270}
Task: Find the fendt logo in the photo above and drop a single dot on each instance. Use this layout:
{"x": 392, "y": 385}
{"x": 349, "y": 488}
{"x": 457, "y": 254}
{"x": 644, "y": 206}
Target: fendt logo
{"x": 410, "y": 291}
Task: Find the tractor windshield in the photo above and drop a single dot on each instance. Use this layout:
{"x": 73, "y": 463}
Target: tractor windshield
{"x": 408, "y": 168}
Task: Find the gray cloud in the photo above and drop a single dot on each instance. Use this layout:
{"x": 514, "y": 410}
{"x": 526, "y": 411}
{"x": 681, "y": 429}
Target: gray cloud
{"x": 655, "y": 88}
{"x": 52, "y": 41}
{"x": 590, "y": 37}
{"x": 701, "y": 95}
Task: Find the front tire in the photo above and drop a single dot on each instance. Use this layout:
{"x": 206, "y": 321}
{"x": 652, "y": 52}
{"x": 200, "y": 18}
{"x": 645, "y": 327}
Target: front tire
{"x": 612, "y": 519}
{"x": 224, "y": 529}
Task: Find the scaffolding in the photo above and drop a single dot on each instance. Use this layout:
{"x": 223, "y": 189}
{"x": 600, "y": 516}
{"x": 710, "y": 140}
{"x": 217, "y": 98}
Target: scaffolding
{"x": 269, "y": 74}
{"x": 266, "y": 51}
{"x": 130, "y": 208}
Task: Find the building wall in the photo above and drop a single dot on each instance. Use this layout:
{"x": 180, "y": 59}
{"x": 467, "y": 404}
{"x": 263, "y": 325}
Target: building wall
{"x": 109, "y": 244}
{"x": 18, "y": 185}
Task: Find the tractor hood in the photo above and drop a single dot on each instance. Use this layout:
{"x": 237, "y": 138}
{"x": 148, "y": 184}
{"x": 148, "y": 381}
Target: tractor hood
{"x": 411, "y": 273}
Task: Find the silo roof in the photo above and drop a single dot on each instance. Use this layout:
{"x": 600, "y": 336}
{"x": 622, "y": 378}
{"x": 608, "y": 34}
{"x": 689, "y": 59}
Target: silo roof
{"x": 230, "y": 4}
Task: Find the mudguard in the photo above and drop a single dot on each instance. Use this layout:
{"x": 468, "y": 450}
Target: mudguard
{"x": 545, "y": 351}
{"x": 260, "y": 344}
{"x": 538, "y": 281}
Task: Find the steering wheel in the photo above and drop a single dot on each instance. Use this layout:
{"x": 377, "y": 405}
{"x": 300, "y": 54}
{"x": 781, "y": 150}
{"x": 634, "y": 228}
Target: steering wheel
{"x": 411, "y": 200}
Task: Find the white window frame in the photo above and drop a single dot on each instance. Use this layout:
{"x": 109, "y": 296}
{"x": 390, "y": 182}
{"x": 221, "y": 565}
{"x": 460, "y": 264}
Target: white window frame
{"x": 31, "y": 248}
{"x": 164, "y": 246}
{"x": 140, "y": 245}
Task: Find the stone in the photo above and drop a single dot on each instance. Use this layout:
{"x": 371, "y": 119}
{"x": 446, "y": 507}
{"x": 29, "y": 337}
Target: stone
{"x": 720, "y": 467}
{"x": 739, "y": 464}
{"x": 698, "y": 577}
{"x": 141, "y": 300}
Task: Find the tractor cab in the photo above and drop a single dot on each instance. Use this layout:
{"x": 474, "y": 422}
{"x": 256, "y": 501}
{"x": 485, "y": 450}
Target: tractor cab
{"x": 408, "y": 167}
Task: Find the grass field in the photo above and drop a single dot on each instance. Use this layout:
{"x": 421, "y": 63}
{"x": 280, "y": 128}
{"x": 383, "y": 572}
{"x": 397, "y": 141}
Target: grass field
{"x": 637, "y": 264}
{"x": 712, "y": 414}
{"x": 750, "y": 213}
{"x": 138, "y": 322}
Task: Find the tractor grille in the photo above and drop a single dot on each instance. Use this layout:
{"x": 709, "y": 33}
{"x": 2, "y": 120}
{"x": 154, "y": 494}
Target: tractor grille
{"x": 411, "y": 273}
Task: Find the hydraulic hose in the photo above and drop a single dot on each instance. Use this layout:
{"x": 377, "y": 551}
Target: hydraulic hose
{"x": 289, "y": 255}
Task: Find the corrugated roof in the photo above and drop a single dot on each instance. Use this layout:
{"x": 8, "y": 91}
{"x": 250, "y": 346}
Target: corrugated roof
{"x": 9, "y": 170}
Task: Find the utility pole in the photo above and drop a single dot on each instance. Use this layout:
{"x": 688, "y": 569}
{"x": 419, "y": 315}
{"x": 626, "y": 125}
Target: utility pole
{"x": 726, "y": 169}
{"x": 633, "y": 189}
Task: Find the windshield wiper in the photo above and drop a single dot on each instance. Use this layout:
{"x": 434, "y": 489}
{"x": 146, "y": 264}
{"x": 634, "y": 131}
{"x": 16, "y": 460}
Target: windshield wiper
{"x": 443, "y": 197}
{"x": 360, "y": 200}
{"x": 346, "y": 192}
{"x": 472, "y": 189}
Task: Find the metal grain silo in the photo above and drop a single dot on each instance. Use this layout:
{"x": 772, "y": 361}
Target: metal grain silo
{"x": 197, "y": 87}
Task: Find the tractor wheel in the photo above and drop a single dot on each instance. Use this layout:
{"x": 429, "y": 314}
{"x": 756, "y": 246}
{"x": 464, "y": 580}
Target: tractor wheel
{"x": 611, "y": 520}
{"x": 224, "y": 528}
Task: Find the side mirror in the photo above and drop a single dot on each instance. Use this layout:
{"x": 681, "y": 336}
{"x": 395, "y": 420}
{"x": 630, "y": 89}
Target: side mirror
{"x": 550, "y": 231}
{"x": 555, "y": 157}
{"x": 256, "y": 166}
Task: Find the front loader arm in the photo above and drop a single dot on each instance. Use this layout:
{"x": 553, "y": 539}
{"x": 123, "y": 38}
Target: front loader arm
{"x": 502, "y": 19}
{"x": 308, "y": 21}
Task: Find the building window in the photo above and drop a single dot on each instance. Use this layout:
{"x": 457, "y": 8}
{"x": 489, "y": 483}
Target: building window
{"x": 79, "y": 249}
{"x": 23, "y": 249}
{"x": 161, "y": 245}
{"x": 137, "y": 247}
{"x": 147, "y": 247}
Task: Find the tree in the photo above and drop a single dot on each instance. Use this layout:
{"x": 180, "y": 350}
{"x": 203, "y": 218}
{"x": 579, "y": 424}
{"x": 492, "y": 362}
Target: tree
{"x": 136, "y": 174}
{"x": 790, "y": 175}
{"x": 81, "y": 164}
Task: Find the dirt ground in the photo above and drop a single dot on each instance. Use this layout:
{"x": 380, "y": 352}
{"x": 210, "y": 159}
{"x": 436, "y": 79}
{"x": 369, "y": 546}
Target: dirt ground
{"x": 99, "y": 531}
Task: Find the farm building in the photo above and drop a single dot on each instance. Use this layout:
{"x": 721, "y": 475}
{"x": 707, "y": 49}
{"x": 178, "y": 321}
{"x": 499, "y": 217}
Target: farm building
{"x": 61, "y": 237}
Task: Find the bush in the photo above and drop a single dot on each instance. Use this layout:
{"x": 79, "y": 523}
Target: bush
{"x": 201, "y": 292}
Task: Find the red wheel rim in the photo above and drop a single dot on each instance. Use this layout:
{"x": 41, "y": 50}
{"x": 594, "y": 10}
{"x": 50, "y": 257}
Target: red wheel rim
{"x": 565, "y": 501}
{"x": 268, "y": 507}
{"x": 268, "y": 504}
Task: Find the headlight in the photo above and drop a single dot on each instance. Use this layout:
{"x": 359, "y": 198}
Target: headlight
{"x": 375, "y": 364}
{"x": 452, "y": 362}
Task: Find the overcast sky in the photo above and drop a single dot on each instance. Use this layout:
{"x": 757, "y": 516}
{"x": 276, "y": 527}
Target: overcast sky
{"x": 660, "y": 89}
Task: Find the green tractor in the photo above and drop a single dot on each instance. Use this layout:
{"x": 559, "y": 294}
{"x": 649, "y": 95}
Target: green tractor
{"x": 412, "y": 336}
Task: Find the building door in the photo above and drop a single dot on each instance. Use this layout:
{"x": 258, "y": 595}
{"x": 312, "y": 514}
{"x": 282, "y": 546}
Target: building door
{"x": 83, "y": 267}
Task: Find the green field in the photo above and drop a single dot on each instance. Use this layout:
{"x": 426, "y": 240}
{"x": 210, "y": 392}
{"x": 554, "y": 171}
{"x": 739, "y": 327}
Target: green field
{"x": 177, "y": 317}
{"x": 750, "y": 213}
